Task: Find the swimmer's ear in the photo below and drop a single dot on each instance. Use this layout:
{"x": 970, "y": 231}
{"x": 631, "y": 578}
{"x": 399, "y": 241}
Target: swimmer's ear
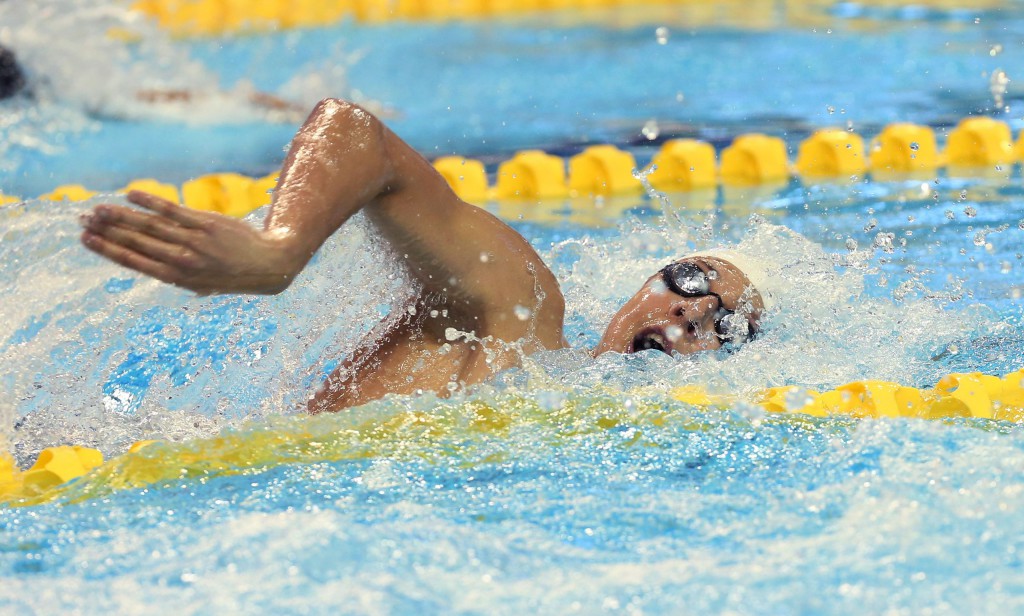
{"x": 168, "y": 209}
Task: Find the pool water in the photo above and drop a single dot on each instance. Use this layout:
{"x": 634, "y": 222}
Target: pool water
{"x": 572, "y": 484}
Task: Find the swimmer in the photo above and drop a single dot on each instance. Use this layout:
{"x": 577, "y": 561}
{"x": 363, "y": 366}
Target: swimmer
{"x": 163, "y": 102}
{"x": 486, "y": 296}
{"x": 13, "y": 82}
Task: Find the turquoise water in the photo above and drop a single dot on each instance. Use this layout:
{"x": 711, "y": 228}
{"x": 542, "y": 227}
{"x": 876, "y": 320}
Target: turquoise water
{"x": 571, "y": 485}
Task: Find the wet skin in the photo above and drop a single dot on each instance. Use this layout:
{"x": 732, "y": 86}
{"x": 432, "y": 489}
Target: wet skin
{"x": 486, "y": 297}
{"x": 677, "y": 324}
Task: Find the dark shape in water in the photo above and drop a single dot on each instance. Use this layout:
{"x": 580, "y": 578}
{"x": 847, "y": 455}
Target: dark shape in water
{"x": 12, "y": 79}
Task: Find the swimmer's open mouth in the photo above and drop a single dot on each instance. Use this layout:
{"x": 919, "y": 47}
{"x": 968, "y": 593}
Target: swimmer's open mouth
{"x": 651, "y": 338}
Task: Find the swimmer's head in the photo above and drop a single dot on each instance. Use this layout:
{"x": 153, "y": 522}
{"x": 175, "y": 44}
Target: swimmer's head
{"x": 701, "y": 302}
{"x": 12, "y": 80}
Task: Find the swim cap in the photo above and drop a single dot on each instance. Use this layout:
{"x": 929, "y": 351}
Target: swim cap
{"x": 11, "y": 77}
{"x": 761, "y": 272}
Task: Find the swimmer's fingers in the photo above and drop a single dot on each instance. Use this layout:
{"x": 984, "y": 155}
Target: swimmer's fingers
{"x": 185, "y": 217}
{"x": 176, "y": 255}
{"x": 106, "y": 216}
{"x": 129, "y": 258}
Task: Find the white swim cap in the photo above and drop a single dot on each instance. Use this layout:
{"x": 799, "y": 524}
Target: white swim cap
{"x": 763, "y": 274}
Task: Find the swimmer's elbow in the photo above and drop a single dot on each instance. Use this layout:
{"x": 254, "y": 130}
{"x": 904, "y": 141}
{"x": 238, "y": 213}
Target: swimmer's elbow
{"x": 343, "y": 113}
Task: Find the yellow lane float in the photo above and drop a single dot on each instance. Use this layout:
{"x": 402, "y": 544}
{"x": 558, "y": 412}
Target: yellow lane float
{"x": 532, "y": 174}
{"x": 305, "y": 439}
{"x": 978, "y": 145}
{"x": 831, "y": 153}
{"x": 755, "y": 159}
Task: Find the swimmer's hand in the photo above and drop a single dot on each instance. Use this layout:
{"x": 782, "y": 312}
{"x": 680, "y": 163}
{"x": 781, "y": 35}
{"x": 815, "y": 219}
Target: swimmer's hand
{"x": 204, "y": 252}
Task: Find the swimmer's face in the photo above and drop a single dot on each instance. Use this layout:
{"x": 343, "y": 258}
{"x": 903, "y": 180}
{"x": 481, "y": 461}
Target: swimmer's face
{"x": 672, "y": 315}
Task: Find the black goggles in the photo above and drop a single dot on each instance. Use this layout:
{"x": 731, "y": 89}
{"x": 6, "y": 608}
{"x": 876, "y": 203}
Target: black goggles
{"x": 688, "y": 280}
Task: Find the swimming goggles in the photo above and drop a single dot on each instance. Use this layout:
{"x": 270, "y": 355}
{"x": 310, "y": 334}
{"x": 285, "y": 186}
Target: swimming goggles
{"x": 688, "y": 280}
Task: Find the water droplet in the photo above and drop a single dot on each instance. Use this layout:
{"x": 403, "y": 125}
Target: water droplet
{"x": 883, "y": 241}
{"x": 914, "y": 146}
{"x": 673, "y": 332}
{"x": 970, "y": 211}
{"x": 451, "y": 334}
{"x": 996, "y": 50}
{"x": 997, "y": 86}
{"x": 522, "y": 312}
{"x": 950, "y": 216}
{"x": 963, "y": 195}
{"x": 484, "y": 257}
{"x": 1005, "y": 267}
{"x": 851, "y": 244}
{"x": 680, "y": 97}
{"x": 650, "y": 130}
{"x": 661, "y": 34}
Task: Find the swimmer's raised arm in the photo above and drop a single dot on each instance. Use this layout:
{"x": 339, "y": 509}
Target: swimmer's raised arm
{"x": 343, "y": 160}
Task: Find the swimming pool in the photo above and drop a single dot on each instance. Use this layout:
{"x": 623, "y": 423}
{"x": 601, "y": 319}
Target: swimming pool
{"x": 572, "y": 484}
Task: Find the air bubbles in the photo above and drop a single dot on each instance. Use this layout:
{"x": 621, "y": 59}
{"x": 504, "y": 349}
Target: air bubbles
{"x": 970, "y": 211}
{"x": 915, "y": 146}
{"x": 995, "y": 50}
{"x": 998, "y": 83}
{"x": 1005, "y": 267}
{"x": 884, "y": 242}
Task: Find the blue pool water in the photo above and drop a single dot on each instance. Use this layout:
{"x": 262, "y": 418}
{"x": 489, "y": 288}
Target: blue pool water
{"x": 570, "y": 485}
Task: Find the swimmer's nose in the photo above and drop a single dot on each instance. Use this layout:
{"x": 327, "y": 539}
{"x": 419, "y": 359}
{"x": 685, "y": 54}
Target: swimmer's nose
{"x": 694, "y": 314}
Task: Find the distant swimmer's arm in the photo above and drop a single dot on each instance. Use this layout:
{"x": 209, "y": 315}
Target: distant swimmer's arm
{"x": 258, "y": 99}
